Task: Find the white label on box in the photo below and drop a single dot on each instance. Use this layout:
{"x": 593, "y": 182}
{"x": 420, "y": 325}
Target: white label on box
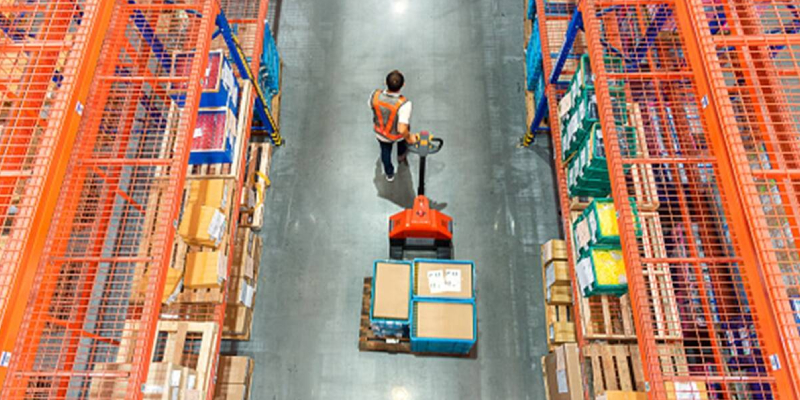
{"x": 5, "y": 359}
{"x": 452, "y": 280}
{"x": 687, "y": 391}
{"x": 217, "y": 226}
{"x": 152, "y": 389}
{"x": 552, "y": 333}
{"x": 191, "y": 382}
{"x": 550, "y": 274}
{"x": 198, "y": 132}
{"x": 585, "y": 274}
{"x": 175, "y": 378}
{"x": 222, "y": 267}
{"x": 561, "y": 379}
{"x": 436, "y": 281}
{"x": 247, "y": 295}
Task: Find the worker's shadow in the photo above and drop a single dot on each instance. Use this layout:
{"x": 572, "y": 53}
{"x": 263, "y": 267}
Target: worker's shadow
{"x": 402, "y": 191}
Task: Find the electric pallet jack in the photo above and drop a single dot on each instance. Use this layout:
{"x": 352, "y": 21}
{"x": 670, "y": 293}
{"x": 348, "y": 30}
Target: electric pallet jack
{"x": 421, "y": 228}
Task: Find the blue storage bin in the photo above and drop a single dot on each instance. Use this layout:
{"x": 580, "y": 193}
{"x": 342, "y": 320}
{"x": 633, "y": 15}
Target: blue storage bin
{"x": 220, "y": 87}
{"x": 421, "y": 288}
{"x": 443, "y": 326}
{"x": 395, "y": 325}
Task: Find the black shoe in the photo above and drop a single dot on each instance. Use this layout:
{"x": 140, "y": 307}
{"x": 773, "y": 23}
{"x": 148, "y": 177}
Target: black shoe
{"x": 390, "y": 178}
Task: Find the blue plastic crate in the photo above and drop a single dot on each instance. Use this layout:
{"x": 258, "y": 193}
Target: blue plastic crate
{"x": 531, "y": 9}
{"x": 533, "y": 58}
{"x": 269, "y": 73}
{"x": 444, "y": 296}
{"x": 442, "y": 344}
{"x": 220, "y": 87}
{"x": 386, "y": 327}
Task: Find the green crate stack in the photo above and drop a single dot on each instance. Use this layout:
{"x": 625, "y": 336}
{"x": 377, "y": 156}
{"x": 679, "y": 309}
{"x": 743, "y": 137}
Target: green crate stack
{"x": 601, "y": 271}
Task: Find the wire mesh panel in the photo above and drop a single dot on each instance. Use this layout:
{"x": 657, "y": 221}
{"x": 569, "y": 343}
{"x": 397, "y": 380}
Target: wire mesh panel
{"x": 752, "y": 54}
{"x": 42, "y": 45}
{"x": 697, "y": 323}
{"x": 89, "y": 324}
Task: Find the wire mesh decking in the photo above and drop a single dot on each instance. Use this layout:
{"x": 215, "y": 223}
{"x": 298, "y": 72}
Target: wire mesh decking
{"x": 751, "y": 50}
{"x": 98, "y": 286}
{"x": 696, "y": 296}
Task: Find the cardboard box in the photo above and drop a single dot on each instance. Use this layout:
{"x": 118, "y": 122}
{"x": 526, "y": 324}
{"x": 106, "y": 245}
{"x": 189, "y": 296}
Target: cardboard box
{"x": 445, "y": 320}
{"x": 234, "y": 370}
{"x": 210, "y": 192}
{"x": 622, "y": 395}
{"x": 554, "y": 249}
{"x": 244, "y": 253}
{"x": 557, "y": 274}
{"x": 686, "y": 391}
{"x": 203, "y": 226}
{"x": 423, "y": 287}
{"x": 205, "y": 270}
{"x": 238, "y": 322}
{"x": 231, "y": 392}
{"x": 241, "y": 292}
{"x": 559, "y": 295}
{"x": 174, "y": 277}
{"x": 561, "y": 332}
{"x": 391, "y": 291}
{"x": 163, "y": 381}
{"x": 563, "y": 370}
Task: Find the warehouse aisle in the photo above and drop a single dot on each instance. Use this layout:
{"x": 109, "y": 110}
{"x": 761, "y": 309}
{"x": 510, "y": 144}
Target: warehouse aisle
{"x": 328, "y": 207}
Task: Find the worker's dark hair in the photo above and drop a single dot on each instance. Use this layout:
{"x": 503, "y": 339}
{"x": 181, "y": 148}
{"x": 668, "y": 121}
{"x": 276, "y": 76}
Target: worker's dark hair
{"x": 395, "y": 81}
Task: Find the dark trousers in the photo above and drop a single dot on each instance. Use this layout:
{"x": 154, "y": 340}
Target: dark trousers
{"x": 386, "y": 155}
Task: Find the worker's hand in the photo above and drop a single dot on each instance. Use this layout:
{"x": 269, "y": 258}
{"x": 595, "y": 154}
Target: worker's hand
{"x": 412, "y": 138}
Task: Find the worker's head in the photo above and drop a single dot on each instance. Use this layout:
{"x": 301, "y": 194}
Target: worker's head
{"x": 395, "y": 81}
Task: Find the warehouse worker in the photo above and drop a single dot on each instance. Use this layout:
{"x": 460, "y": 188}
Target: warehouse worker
{"x": 391, "y": 114}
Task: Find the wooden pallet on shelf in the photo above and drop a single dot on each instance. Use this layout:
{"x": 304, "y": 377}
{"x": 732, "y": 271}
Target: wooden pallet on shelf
{"x": 171, "y": 346}
{"x": 614, "y": 367}
{"x": 608, "y": 318}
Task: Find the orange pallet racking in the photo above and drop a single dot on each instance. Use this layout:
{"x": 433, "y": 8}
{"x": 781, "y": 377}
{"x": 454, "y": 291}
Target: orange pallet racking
{"x": 48, "y": 51}
{"x": 117, "y": 208}
{"x": 670, "y": 168}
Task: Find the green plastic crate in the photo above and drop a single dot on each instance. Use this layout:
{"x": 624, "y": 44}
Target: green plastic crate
{"x": 601, "y": 218}
{"x": 587, "y": 271}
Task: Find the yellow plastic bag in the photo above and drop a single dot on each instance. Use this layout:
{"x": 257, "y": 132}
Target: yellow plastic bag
{"x": 609, "y": 267}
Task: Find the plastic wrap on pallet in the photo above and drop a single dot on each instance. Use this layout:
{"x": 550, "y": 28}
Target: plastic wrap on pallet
{"x": 534, "y": 58}
{"x": 269, "y": 72}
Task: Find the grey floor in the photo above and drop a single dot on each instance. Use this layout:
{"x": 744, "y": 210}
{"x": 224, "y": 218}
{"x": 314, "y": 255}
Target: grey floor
{"x": 328, "y": 206}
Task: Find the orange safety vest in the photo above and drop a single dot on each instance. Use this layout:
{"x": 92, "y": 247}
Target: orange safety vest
{"x": 384, "y": 110}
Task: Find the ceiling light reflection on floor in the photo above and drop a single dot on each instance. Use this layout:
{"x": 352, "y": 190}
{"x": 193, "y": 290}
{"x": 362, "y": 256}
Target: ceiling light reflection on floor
{"x": 399, "y": 6}
{"x": 400, "y": 393}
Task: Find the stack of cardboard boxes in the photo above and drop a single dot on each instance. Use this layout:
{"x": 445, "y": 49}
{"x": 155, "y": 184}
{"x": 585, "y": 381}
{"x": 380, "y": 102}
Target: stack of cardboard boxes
{"x": 242, "y": 286}
{"x": 234, "y": 378}
{"x": 558, "y": 294}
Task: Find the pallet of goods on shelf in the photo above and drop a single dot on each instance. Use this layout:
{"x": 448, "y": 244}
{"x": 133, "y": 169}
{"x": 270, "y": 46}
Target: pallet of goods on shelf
{"x": 613, "y": 367}
{"x": 183, "y": 344}
{"x": 234, "y": 378}
{"x": 251, "y": 214}
{"x": 558, "y": 294}
{"x": 242, "y": 286}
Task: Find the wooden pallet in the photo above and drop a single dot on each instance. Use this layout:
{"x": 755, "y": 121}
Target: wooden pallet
{"x": 614, "y": 367}
{"x": 367, "y": 341}
{"x": 252, "y": 208}
{"x": 661, "y": 298}
{"x": 642, "y": 175}
{"x": 174, "y": 334}
{"x": 544, "y": 378}
{"x": 607, "y": 318}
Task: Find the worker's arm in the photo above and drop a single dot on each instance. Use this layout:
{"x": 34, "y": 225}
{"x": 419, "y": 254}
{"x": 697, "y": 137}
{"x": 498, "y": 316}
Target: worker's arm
{"x": 407, "y": 135}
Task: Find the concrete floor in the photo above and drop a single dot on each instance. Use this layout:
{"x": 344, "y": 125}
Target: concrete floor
{"x": 327, "y": 209}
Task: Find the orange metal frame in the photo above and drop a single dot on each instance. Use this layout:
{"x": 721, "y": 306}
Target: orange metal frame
{"x": 730, "y": 340}
{"x": 74, "y": 58}
{"x": 127, "y": 168}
